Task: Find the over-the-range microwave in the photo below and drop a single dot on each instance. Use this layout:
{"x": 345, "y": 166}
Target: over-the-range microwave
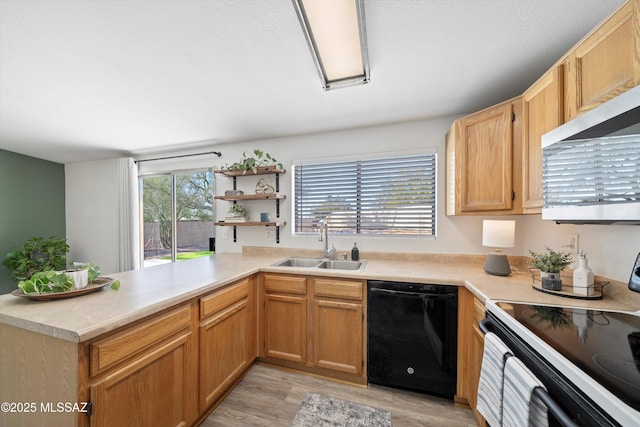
{"x": 591, "y": 165}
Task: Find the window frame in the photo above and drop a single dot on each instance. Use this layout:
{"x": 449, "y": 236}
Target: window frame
{"x": 431, "y": 231}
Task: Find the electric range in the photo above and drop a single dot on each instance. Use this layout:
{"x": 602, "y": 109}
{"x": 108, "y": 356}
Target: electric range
{"x": 597, "y": 351}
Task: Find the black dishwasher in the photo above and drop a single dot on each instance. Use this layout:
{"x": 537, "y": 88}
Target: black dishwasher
{"x": 412, "y": 336}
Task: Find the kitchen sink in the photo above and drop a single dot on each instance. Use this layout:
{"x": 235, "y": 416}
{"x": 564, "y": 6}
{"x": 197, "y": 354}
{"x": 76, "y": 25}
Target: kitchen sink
{"x": 321, "y": 263}
{"x": 299, "y": 262}
{"x": 342, "y": 265}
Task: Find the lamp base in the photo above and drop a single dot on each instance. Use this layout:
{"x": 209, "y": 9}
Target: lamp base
{"x": 497, "y": 264}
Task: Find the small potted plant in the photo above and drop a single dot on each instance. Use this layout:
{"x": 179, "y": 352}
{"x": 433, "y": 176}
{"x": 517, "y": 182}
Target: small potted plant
{"x": 550, "y": 264}
{"x": 238, "y": 213}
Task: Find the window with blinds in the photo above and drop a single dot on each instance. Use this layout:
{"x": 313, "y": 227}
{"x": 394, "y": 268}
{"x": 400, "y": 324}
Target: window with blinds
{"x": 384, "y": 196}
{"x": 592, "y": 171}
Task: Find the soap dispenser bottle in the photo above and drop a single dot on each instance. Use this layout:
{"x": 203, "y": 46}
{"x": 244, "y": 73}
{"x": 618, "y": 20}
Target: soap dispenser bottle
{"x": 582, "y": 276}
{"x": 355, "y": 252}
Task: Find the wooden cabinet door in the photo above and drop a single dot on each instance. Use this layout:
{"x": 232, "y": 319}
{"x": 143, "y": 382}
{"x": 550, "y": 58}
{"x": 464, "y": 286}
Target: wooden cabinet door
{"x": 470, "y": 349}
{"x": 285, "y": 317}
{"x": 484, "y": 160}
{"x": 224, "y": 350}
{"x": 477, "y": 348}
{"x": 606, "y": 63}
{"x": 286, "y": 327}
{"x": 542, "y": 111}
{"x": 337, "y": 336}
{"x": 152, "y": 390}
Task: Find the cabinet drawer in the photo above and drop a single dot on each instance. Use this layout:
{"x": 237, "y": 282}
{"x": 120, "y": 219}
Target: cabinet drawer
{"x": 221, "y": 299}
{"x": 286, "y": 284}
{"x": 109, "y": 351}
{"x": 479, "y": 310}
{"x": 338, "y": 288}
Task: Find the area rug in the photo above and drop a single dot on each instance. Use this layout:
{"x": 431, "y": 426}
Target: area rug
{"x": 318, "y": 410}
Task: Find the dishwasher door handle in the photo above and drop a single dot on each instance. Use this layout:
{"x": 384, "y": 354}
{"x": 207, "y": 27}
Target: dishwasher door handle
{"x": 418, "y": 295}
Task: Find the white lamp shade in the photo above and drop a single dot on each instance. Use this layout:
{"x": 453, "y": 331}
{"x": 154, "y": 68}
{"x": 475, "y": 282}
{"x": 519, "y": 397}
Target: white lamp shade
{"x": 498, "y": 233}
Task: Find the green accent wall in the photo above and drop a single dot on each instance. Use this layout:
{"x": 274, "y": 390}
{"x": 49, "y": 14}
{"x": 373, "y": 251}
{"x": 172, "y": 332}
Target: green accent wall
{"x": 32, "y": 203}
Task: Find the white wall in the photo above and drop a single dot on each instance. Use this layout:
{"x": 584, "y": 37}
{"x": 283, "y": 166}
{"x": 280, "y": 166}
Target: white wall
{"x": 92, "y": 201}
{"x": 454, "y": 235}
{"x": 91, "y": 198}
{"x": 611, "y": 249}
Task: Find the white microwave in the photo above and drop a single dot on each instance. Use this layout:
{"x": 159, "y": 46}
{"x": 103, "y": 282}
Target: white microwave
{"x": 591, "y": 165}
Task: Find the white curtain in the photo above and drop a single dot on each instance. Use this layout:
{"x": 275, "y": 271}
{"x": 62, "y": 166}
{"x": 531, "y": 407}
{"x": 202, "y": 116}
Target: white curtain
{"x": 129, "y": 224}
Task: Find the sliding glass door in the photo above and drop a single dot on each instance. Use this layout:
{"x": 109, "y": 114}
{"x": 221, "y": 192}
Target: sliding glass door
{"x": 177, "y": 216}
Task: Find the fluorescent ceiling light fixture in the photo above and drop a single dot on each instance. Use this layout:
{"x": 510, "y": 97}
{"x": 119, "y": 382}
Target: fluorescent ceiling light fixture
{"x": 336, "y": 35}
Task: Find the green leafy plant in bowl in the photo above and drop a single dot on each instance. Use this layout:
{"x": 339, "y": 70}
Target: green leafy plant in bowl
{"x": 39, "y": 266}
{"x": 35, "y": 255}
{"x": 46, "y": 281}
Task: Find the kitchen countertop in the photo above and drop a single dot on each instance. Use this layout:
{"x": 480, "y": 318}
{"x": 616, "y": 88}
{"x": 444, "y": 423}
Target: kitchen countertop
{"x": 147, "y": 291}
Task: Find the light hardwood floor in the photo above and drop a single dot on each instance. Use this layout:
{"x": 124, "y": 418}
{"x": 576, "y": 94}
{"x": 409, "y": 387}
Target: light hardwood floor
{"x": 270, "y": 396}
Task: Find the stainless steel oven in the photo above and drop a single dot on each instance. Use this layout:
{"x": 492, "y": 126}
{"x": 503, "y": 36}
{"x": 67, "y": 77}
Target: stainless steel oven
{"x": 589, "y": 360}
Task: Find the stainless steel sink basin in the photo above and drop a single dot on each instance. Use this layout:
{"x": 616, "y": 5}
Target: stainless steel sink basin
{"x": 328, "y": 264}
{"x": 342, "y": 265}
{"x": 298, "y": 262}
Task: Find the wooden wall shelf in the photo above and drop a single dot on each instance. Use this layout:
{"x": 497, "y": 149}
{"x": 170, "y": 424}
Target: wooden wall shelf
{"x": 270, "y": 196}
{"x": 277, "y": 226}
{"x": 262, "y": 170}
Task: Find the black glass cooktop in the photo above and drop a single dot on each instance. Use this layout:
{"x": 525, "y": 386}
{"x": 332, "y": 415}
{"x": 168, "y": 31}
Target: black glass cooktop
{"x": 605, "y": 345}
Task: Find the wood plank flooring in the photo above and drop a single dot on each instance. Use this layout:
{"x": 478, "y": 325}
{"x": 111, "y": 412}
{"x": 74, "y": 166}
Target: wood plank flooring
{"x": 270, "y": 396}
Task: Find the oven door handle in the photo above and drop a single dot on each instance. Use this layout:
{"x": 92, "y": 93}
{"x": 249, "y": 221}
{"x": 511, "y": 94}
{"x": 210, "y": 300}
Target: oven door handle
{"x": 484, "y": 325}
{"x": 541, "y": 393}
{"x": 554, "y": 408}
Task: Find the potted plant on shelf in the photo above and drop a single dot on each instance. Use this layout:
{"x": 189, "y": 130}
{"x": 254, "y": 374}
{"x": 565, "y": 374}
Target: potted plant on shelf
{"x": 253, "y": 161}
{"x": 37, "y": 254}
{"x": 550, "y": 264}
{"x": 238, "y": 213}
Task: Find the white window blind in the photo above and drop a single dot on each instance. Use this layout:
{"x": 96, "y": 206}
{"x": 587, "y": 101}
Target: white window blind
{"x": 586, "y": 172}
{"x": 393, "y": 195}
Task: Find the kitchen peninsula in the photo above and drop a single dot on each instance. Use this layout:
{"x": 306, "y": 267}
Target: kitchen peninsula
{"x": 149, "y": 342}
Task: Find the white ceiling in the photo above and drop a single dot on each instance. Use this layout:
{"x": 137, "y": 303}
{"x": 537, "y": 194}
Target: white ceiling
{"x": 84, "y": 80}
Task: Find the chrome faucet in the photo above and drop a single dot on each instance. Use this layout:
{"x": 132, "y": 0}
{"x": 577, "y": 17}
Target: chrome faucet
{"x": 324, "y": 237}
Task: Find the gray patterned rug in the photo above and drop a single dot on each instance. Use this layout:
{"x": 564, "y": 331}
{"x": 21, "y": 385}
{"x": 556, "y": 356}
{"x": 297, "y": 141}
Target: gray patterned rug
{"x": 318, "y": 410}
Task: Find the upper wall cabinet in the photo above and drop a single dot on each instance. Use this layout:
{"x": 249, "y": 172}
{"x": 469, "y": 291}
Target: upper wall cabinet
{"x": 542, "y": 111}
{"x": 494, "y": 157}
{"x": 606, "y": 63}
{"x": 481, "y": 173}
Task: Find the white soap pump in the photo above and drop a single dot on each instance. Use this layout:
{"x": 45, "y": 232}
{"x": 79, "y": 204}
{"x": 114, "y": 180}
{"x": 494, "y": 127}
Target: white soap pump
{"x": 582, "y": 276}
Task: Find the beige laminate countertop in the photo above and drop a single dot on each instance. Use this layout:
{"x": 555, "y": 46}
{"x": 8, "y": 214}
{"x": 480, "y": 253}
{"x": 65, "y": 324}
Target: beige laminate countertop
{"x": 147, "y": 291}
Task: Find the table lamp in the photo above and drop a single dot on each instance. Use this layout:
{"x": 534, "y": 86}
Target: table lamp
{"x": 498, "y": 234}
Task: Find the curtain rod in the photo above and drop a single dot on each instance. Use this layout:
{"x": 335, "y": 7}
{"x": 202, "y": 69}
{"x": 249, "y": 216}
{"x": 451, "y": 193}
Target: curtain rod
{"x": 217, "y": 153}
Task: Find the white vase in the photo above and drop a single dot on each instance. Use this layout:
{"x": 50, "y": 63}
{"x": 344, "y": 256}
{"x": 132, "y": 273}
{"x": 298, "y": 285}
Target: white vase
{"x": 80, "y": 278}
